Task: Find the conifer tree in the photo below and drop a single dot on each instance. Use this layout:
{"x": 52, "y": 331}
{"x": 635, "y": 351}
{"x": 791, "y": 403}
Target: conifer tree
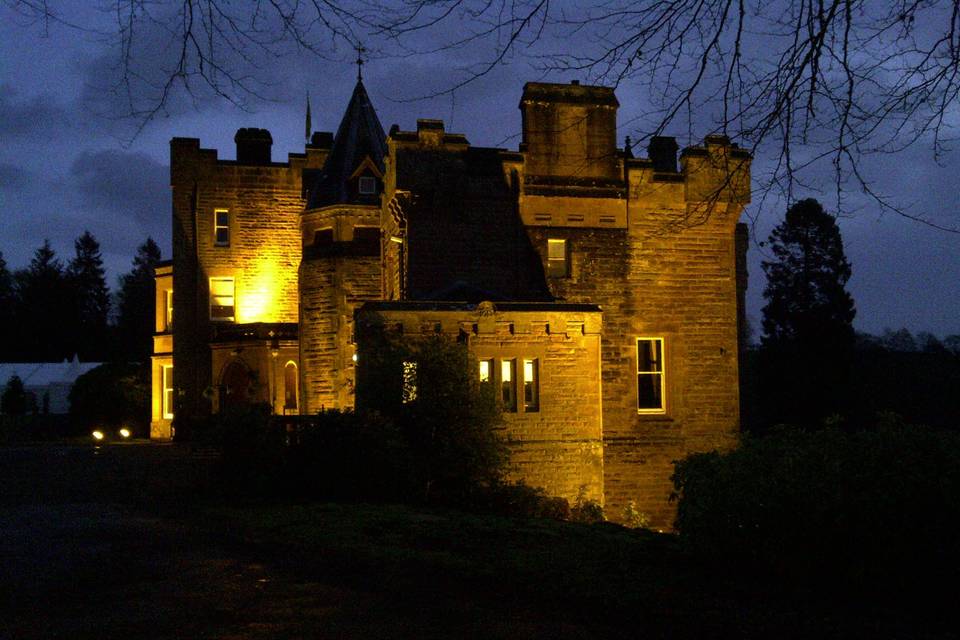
{"x": 136, "y": 303}
{"x": 42, "y": 321}
{"x": 807, "y": 321}
{"x": 91, "y": 298}
{"x": 7, "y": 303}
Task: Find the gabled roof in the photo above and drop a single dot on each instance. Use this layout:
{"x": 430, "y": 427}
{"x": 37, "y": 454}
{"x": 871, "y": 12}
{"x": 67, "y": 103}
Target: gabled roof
{"x": 360, "y": 136}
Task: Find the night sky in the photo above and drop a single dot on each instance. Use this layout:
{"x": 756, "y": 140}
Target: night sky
{"x": 69, "y": 163}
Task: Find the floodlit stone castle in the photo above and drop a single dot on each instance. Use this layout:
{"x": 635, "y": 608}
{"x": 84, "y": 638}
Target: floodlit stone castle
{"x": 601, "y": 293}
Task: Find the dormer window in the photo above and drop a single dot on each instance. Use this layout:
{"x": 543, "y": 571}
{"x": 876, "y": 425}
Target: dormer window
{"x": 367, "y": 185}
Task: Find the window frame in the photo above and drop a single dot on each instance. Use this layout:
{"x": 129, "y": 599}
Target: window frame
{"x": 531, "y": 405}
{"x": 370, "y": 180}
{"x": 508, "y": 401}
{"x": 233, "y": 316}
{"x": 287, "y": 395}
{"x": 558, "y": 267}
{"x": 660, "y": 374}
{"x": 166, "y": 387}
{"x": 167, "y": 309}
{"x": 217, "y": 227}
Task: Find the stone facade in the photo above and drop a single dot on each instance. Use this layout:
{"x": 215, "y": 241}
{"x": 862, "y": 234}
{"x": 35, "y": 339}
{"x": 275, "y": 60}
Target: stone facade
{"x": 631, "y": 269}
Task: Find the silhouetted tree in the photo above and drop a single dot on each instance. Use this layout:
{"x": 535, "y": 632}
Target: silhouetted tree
{"x": 91, "y": 298}
{"x": 899, "y": 340}
{"x": 42, "y": 318}
{"x": 136, "y": 303}
{"x": 808, "y": 318}
{"x": 14, "y": 398}
{"x": 7, "y": 302}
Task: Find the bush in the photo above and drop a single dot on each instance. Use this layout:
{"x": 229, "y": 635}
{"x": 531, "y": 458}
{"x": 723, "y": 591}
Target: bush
{"x": 586, "y": 510}
{"x": 517, "y": 499}
{"x": 112, "y": 395}
{"x": 870, "y": 507}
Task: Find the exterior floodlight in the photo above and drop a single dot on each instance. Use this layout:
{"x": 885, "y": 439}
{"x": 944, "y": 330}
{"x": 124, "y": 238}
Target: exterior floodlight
{"x": 124, "y": 433}
{"x": 97, "y": 435}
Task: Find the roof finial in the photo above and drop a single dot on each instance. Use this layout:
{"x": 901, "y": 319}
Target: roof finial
{"x": 308, "y": 127}
{"x": 360, "y": 51}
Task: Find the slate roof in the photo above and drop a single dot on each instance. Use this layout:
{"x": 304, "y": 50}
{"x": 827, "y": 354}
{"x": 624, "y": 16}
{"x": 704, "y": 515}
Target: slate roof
{"x": 360, "y": 135}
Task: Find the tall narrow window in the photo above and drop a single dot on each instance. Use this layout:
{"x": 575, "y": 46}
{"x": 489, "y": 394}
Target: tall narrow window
{"x": 531, "y": 386}
{"x": 222, "y": 299}
{"x": 409, "y": 390}
{"x": 290, "y": 386}
{"x": 167, "y": 399}
{"x": 221, "y": 227}
{"x": 508, "y": 384}
{"x": 557, "y": 263}
{"x": 650, "y": 375}
{"x": 168, "y": 309}
{"x": 486, "y": 371}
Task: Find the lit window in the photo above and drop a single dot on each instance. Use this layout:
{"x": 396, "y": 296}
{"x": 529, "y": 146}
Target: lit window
{"x": 531, "y": 386}
{"x": 290, "y": 386}
{"x": 221, "y": 227}
{"x": 409, "y": 391}
{"x": 650, "y": 373}
{"x": 168, "y": 309}
{"x": 222, "y": 299}
{"x": 367, "y": 185}
{"x": 557, "y": 258}
{"x": 486, "y": 371}
{"x": 167, "y": 392}
{"x": 508, "y": 384}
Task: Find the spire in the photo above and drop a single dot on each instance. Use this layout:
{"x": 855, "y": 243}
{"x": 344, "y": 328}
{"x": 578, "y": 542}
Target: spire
{"x": 359, "y": 137}
{"x": 307, "y": 130}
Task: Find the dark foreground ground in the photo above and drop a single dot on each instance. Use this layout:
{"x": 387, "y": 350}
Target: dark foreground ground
{"x": 126, "y": 542}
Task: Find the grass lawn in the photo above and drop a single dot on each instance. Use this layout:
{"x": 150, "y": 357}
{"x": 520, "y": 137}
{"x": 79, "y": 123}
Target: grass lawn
{"x": 101, "y": 545}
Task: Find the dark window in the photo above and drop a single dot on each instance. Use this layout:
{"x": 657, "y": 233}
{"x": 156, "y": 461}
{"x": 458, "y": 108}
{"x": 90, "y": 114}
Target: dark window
{"x": 290, "y": 386}
{"x": 367, "y": 185}
{"x": 323, "y": 237}
{"x": 221, "y": 228}
{"x": 368, "y": 235}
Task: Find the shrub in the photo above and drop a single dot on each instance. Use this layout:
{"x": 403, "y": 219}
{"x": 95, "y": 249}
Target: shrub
{"x": 586, "y": 510}
{"x": 113, "y": 394}
{"x": 870, "y": 507}
{"x": 14, "y": 400}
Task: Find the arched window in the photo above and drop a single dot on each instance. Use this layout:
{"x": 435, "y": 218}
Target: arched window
{"x": 290, "y": 386}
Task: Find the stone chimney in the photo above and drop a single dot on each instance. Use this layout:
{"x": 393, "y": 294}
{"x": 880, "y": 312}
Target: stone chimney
{"x": 569, "y": 130}
{"x": 253, "y": 146}
{"x": 662, "y": 151}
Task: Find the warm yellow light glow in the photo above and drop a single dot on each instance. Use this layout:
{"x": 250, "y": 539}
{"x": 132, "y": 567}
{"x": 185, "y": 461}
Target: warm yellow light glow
{"x": 124, "y": 433}
{"x": 97, "y": 435}
{"x": 354, "y": 357}
{"x": 257, "y": 294}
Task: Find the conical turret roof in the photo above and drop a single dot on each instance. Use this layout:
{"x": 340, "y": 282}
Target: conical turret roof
{"x": 359, "y": 136}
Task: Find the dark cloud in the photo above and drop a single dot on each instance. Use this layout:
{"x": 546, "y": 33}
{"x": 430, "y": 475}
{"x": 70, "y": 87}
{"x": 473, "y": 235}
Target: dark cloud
{"x": 12, "y": 177}
{"x": 39, "y": 115}
{"x": 127, "y": 183}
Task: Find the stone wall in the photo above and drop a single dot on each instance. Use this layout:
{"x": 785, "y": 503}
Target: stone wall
{"x": 559, "y": 446}
{"x": 264, "y": 201}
